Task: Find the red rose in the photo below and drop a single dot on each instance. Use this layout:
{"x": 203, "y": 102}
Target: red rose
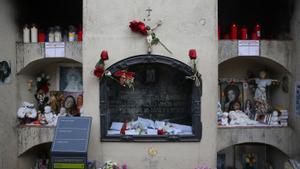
{"x": 134, "y": 26}
{"x": 193, "y": 54}
{"x": 120, "y": 73}
{"x": 142, "y": 28}
{"x": 104, "y": 55}
{"x": 138, "y": 26}
{"x": 45, "y": 88}
{"x": 130, "y": 75}
{"x": 160, "y": 132}
{"x": 98, "y": 72}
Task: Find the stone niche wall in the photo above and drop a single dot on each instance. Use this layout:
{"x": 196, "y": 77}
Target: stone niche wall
{"x": 186, "y": 25}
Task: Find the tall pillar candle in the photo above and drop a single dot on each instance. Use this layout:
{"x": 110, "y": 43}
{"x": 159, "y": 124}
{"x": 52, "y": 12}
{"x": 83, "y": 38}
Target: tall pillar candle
{"x": 244, "y": 33}
{"x": 257, "y": 30}
{"x": 26, "y": 34}
{"x": 233, "y": 32}
{"x": 34, "y": 34}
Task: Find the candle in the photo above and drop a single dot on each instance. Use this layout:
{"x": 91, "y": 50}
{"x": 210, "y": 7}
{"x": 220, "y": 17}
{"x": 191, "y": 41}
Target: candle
{"x": 257, "y": 30}
{"x": 244, "y": 34}
{"x": 57, "y": 34}
{"x": 51, "y": 35}
{"x": 34, "y": 34}
{"x": 42, "y": 37}
{"x": 233, "y": 32}
{"x": 71, "y": 34}
{"x": 79, "y": 38}
{"x": 26, "y": 34}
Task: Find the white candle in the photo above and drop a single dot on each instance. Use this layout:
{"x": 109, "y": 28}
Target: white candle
{"x": 26, "y": 34}
{"x": 34, "y": 34}
{"x": 57, "y": 34}
{"x": 51, "y": 35}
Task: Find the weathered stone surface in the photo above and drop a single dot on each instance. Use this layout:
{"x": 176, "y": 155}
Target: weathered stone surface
{"x": 31, "y": 52}
{"x": 29, "y": 137}
{"x": 276, "y": 136}
{"x": 277, "y": 51}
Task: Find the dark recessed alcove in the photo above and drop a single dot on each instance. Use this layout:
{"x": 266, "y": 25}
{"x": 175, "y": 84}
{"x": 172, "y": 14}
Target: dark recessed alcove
{"x": 161, "y": 93}
{"x": 48, "y": 13}
{"x": 273, "y": 16}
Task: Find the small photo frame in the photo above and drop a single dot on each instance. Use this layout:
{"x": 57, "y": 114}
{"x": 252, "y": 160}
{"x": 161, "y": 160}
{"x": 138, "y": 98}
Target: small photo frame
{"x": 230, "y": 93}
{"x": 70, "y": 79}
{"x": 5, "y": 72}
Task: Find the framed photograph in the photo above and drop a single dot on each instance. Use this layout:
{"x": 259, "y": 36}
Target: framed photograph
{"x": 70, "y": 79}
{"x": 231, "y": 95}
{"x": 5, "y": 72}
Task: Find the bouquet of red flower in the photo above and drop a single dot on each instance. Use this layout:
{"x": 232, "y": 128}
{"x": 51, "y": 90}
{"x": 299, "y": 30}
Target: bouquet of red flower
{"x": 140, "y": 27}
{"x": 123, "y": 77}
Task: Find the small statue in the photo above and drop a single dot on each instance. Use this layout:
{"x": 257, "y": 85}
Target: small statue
{"x": 42, "y": 99}
{"x": 49, "y": 116}
{"x": 224, "y": 120}
{"x": 27, "y": 113}
{"x": 238, "y": 117}
{"x": 260, "y": 97}
{"x": 274, "y": 118}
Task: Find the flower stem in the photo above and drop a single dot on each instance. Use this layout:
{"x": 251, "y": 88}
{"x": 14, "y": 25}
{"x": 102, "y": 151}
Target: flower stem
{"x": 165, "y": 47}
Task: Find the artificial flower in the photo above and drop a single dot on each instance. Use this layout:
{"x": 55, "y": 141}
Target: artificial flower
{"x": 192, "y": 54}
{"x": 104, "y": 55}
{"x": 99, "y": 71}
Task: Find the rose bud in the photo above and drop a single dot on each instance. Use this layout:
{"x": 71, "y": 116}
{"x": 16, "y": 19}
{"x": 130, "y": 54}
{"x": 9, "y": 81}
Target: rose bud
{"x": 104, "y": 55}
{"x": 193, "y": 54}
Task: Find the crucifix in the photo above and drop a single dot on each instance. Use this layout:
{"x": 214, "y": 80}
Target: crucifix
{"x": 148, "y": 10}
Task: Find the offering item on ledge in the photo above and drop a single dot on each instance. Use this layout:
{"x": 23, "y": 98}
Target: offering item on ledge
{"x": 274, "y": 118}
{"x": 238, "y": 117}
{"x": 27, "y": 113}
{"x": 143, "y": 126}
{"x": 261, "y": 103}
{"x": 224, "y": 119}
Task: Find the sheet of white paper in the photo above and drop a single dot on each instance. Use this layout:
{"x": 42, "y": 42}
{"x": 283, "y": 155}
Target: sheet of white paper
{"x": 55, "y": 49}
{"x": 116, "y": 126}
{"x": 159, "y": 124}
{"x": 131, "y": 132}
{"x": 151, "y": 132}
{"x": 183, "y": 128}
{"x": 248, "y": 48}
{"x": 113, "y": 132}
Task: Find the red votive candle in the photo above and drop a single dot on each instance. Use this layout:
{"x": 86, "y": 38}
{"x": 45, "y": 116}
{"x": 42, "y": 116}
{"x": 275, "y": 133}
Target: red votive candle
{"x": 42, "y": 37}
{"x": 257, "y": 30}
{"x": 233, "y": 32}
{"x": 244, "y": 33}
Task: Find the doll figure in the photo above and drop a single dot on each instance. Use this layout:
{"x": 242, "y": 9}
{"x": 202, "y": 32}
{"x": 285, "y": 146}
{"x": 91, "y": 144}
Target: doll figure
{"x": 238, "y": 117}
{"x": 49, "y": 116}
{"x": 274, "y": 118}
{"x": 260, "y": 92}
{"x": 27, "y": 113}
{"x": 224, "y": 119}
{"x": 42, "y": 99}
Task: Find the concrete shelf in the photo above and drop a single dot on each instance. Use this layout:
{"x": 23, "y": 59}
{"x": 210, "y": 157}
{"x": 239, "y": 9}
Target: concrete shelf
{"x": 29, "y": 136}
{"x": 274, "y": 136}
{"x": 33, "y": 55}
{"x": 275, "y": 50}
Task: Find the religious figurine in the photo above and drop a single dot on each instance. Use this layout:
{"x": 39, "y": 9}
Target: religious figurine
{"x": 274, "y": 118}
{"x": 27, "y": 113}
{"x": 70, "y": 105}
{"x": 260, "y": 97}
{"x": 248, "y": 109}
{"x": 224, "y": 120}
{"x": 219, "y": 113}
{"x": 42, "y": 99}
{"x": 49, "y": 116}
{"x": 62, "y": 112}
{"x": 238, "y": 117}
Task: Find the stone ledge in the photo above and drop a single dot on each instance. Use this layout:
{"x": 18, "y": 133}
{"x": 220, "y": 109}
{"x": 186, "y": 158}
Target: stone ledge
{"x": 275, "y": 50}
{"x": 29, "y": 137}
{"x": 28, "y": 53}
{"x": 274, "y": 136}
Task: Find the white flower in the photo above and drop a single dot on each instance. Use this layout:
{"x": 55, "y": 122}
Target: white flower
{"x": 149, "y": 39}
{"x": 38, "y": 79}
{"x": 107, "y": 73}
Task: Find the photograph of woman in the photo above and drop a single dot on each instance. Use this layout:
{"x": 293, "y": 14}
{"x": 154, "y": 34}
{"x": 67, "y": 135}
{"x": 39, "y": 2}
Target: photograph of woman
{"x": 232, "y": 94}
{"x": 70, "y": 79}
{"x": 5, "y": 71}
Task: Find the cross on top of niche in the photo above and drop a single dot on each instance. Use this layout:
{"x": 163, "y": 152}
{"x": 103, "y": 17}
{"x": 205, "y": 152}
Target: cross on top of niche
{"x": 148, "y": 10}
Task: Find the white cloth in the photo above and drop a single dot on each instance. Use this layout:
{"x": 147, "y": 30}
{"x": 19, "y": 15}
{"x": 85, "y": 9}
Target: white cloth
{"x": 27, "y": 110}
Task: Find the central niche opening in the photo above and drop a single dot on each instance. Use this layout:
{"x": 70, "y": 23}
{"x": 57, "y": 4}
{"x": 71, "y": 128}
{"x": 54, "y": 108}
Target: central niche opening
{"x": 163, "y": 105}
